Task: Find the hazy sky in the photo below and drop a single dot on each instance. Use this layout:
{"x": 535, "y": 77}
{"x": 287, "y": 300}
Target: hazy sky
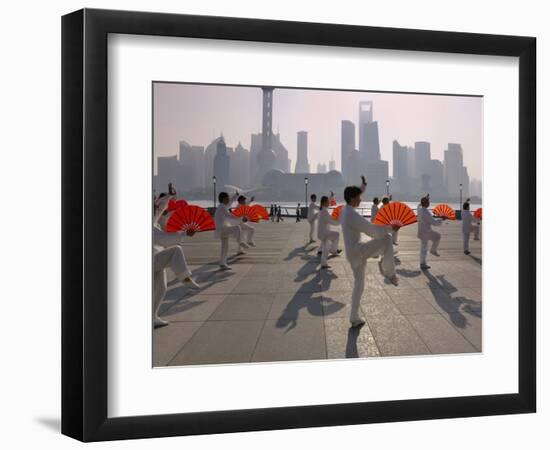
{"x": 198, "y": 113}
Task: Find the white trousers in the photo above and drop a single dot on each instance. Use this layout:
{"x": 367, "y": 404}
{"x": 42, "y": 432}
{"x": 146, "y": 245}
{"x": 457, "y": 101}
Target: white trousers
{"x": 247, "y": 232}
{"x": 466, "y": 237}
{"x": 329, "y": 244}
{"x": 169, "y": 258}
{"x": 226, "y": 233}
{"x": 433, "y": 236}
{"x": 311, "y": 229}
{"x": 394, "y": 236}
{"x": 364, "y": 250}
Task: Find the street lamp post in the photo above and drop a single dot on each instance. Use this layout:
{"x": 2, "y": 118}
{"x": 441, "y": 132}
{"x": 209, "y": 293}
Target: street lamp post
{"x": 306, "y": 182}
{"x": 214, "y": 184}
{"x": 388, "y": 188}
{"x": 460, "y": 187}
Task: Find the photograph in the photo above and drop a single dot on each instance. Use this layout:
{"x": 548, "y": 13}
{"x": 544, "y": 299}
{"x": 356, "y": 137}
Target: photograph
{"x": 300, "y": 224}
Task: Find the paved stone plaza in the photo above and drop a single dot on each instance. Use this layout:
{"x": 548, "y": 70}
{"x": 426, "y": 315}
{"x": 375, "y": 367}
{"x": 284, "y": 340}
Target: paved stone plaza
{"x": 276, "y": 305}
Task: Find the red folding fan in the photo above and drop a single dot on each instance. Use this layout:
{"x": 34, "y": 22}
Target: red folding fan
{"x": 246, "y": 211}
{"x": 262, "y": 213}
{"x": 444, "y": 211}
{"x": 175, "y": 204}
{"x": 332, "y": 202}
{"x": 190, "y": 218}
{"x": 395, "y": 213}
{"x": 478, "y": 213}
{"x": 337, "y": 211}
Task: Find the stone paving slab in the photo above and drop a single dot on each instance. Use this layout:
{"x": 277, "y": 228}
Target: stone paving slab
{"x": 276, "y": 304}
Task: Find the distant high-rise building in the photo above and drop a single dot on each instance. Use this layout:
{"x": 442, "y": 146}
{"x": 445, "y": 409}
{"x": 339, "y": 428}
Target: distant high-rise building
{"x": 302, "y": 164}
{"x": 221, "y": 164}
{"x": 347, "y": 145}
{"x": 239, "y": 166}
{"x": 369, "y": 143}
{"x": 193, "y": 155}
{"x": 321, "y": 168}
{"x": 438, "y": 188}
{"x": 354, "y": 168}
{"x": 465, "y": 183}
{"x": 332, "y": 164}
{"x": 475, "y": 187}
{"x": 377, "y": 174}
{"x": 453, "y": 169}
{"x": 266, "y": 157}
{"x": 400, "y": 168}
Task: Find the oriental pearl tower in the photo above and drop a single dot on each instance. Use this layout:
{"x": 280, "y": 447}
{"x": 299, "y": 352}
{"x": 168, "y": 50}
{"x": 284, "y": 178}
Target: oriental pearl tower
{"x": 266, "y": 157}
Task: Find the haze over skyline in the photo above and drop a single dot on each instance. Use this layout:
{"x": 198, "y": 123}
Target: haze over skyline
{"x": 198, "y": 113}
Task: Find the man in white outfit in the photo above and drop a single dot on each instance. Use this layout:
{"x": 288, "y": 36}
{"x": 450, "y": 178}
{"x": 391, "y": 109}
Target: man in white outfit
{"x": 227, "y": 225}
{"x": 374, "y": 209}
{"x": 247, "y": 230}
{"x": 425, "y": 232}
{"x": 468, "y": 225}
{"x": 329, "y": 238}
{"x": 167, "y": 254}
{"x": 358, "y": 251}
{"x": 312, "y": 216}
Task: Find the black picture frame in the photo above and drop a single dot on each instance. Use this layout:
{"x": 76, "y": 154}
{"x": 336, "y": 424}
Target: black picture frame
{"x": 84, "y": 224}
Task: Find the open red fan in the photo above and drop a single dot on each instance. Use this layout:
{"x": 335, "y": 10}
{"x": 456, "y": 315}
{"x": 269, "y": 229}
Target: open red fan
{"x": 332, "y": 202}
{"x": 246, "y": 211}
{"x": 175, "y": 204}
{"x": 444, "y": 211}
{"x": 337, "y": 211}
{"x": 478, "y": 213}
{"x": 395, "y": 213}
{"x": 262, "y": 213}
{"x": 190, "y": 218}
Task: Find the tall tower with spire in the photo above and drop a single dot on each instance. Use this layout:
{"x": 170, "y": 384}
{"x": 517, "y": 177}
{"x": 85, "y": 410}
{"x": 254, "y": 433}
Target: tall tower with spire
{"x": 266, "y": 157}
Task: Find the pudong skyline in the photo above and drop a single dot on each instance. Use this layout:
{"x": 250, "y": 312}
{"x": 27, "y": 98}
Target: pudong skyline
{"x": 199, "y": 113}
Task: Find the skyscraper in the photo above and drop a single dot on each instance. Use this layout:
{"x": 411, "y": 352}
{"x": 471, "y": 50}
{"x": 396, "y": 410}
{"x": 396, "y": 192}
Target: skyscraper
{"x": 422, "y": 158}
{"x": 221, "y": 164}
{"x": 302, "y": 164}
{"x": 347, "y": 146}
{"x": 453, "y": 169}
{"x": 321, "y": 168}
{"x": 332, "y": 164}
{"x": 266, "y": 157}
{"x": 400, "y": 168}
{"x": 369, "y": 142}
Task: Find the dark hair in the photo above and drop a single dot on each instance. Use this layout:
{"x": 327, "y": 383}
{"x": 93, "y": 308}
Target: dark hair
{"x": 424, "y": 200}
{"x": 375, "y": 200}
{"x": 222, "y": 196}
{"x": 324, "y": 198}
{"x": 162, "y": 194}
{"x": 385, "y": 199}
{"x": 351, "y": 192}
{"x": 313, "y": 197}
{"x": 241, "y": 198}
{"x": 466, "y": 206}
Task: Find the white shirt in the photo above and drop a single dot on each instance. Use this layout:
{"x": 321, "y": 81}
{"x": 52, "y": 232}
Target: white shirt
{"x": 325, "y": 221}
{"x": 353, "y": 226}
{"x": 312, "y": 212}
{"x": 425, "y": 221}
{"x": 223, "y": 218}
{"x": 467, "y": 220}
{"x": 373, "y": 212}
{"x": 164, "y": 239}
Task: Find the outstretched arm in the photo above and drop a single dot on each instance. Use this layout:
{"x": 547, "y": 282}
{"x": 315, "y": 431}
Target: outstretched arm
{"x": 367, "y": 227}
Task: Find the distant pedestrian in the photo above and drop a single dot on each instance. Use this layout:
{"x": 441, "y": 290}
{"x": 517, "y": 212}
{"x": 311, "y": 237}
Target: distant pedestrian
{"x": 272, "y": 212}
{"x": 469, "y": 225}
{"x": 374, "y": 208}
{"x": 279, "y": 215}
{"x": 298, "y": 213}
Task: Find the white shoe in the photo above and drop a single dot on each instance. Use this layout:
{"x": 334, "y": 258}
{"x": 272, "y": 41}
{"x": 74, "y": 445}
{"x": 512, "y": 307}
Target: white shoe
{"x": 355, "y": 323}
{"x": 224, "y": 267}
{"x": 192, "y": 283}
{"x": 243, "y": 245}
{"x": 158, "y": 322}
{"x": 251, "y": 244}
{"x": 434, "y": 252}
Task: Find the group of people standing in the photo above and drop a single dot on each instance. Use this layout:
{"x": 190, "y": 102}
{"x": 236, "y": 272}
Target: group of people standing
{"x": 275, "y": 213}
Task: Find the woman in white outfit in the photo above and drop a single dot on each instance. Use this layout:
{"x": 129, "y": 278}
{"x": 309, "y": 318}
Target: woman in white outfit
{"x": 468, "y": 226}
{"x": 328, "y": 237}
{"x": 374, "y": 209}
{"x": 227, "y": 225}
{"x": 386, "y": 201}
{"x": 247, "y": 230}
{"x": 167, "y": 254}
{"x": 358, "y": 251}
{"x": 312, "y": 216}
{"x": 425, "y": 232}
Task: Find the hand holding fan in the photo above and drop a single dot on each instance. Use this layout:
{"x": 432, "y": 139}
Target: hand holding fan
{"x": 444, "y": 211}
{"x": 396, "y": 214}
{"x": 190, "y": 218}
{"x": 337, "y": 211}
{"x": 175, "y": 204}
{"x": 478, "y": 213}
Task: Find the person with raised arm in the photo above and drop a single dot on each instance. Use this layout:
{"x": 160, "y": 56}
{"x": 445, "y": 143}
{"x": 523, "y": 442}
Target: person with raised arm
{"x": 469, "y": 225}
{"x": 312, "y": 216}
{"x": 167, "y": 254}
{"x": 227, "y": 226}
{"x": 354, "y": 226}
{"x": 425, "y": 233}
{"x": 329, "y": 238}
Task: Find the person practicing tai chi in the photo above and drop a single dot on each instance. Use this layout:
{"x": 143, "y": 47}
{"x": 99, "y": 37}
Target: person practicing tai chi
{"x": 469, "y": 225}
{"x": 167, "y": 254}
{"x": 374, "y": 208}
{"x": 247, "y": 230}
{"x": 329, "y": 238}
{"x": 312, "y": 216}
{"x": 386, "y": 201}
{"x": 425, "y": 232}
{"x": 227, "y": 225}
{"x": 358, "y": 250}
